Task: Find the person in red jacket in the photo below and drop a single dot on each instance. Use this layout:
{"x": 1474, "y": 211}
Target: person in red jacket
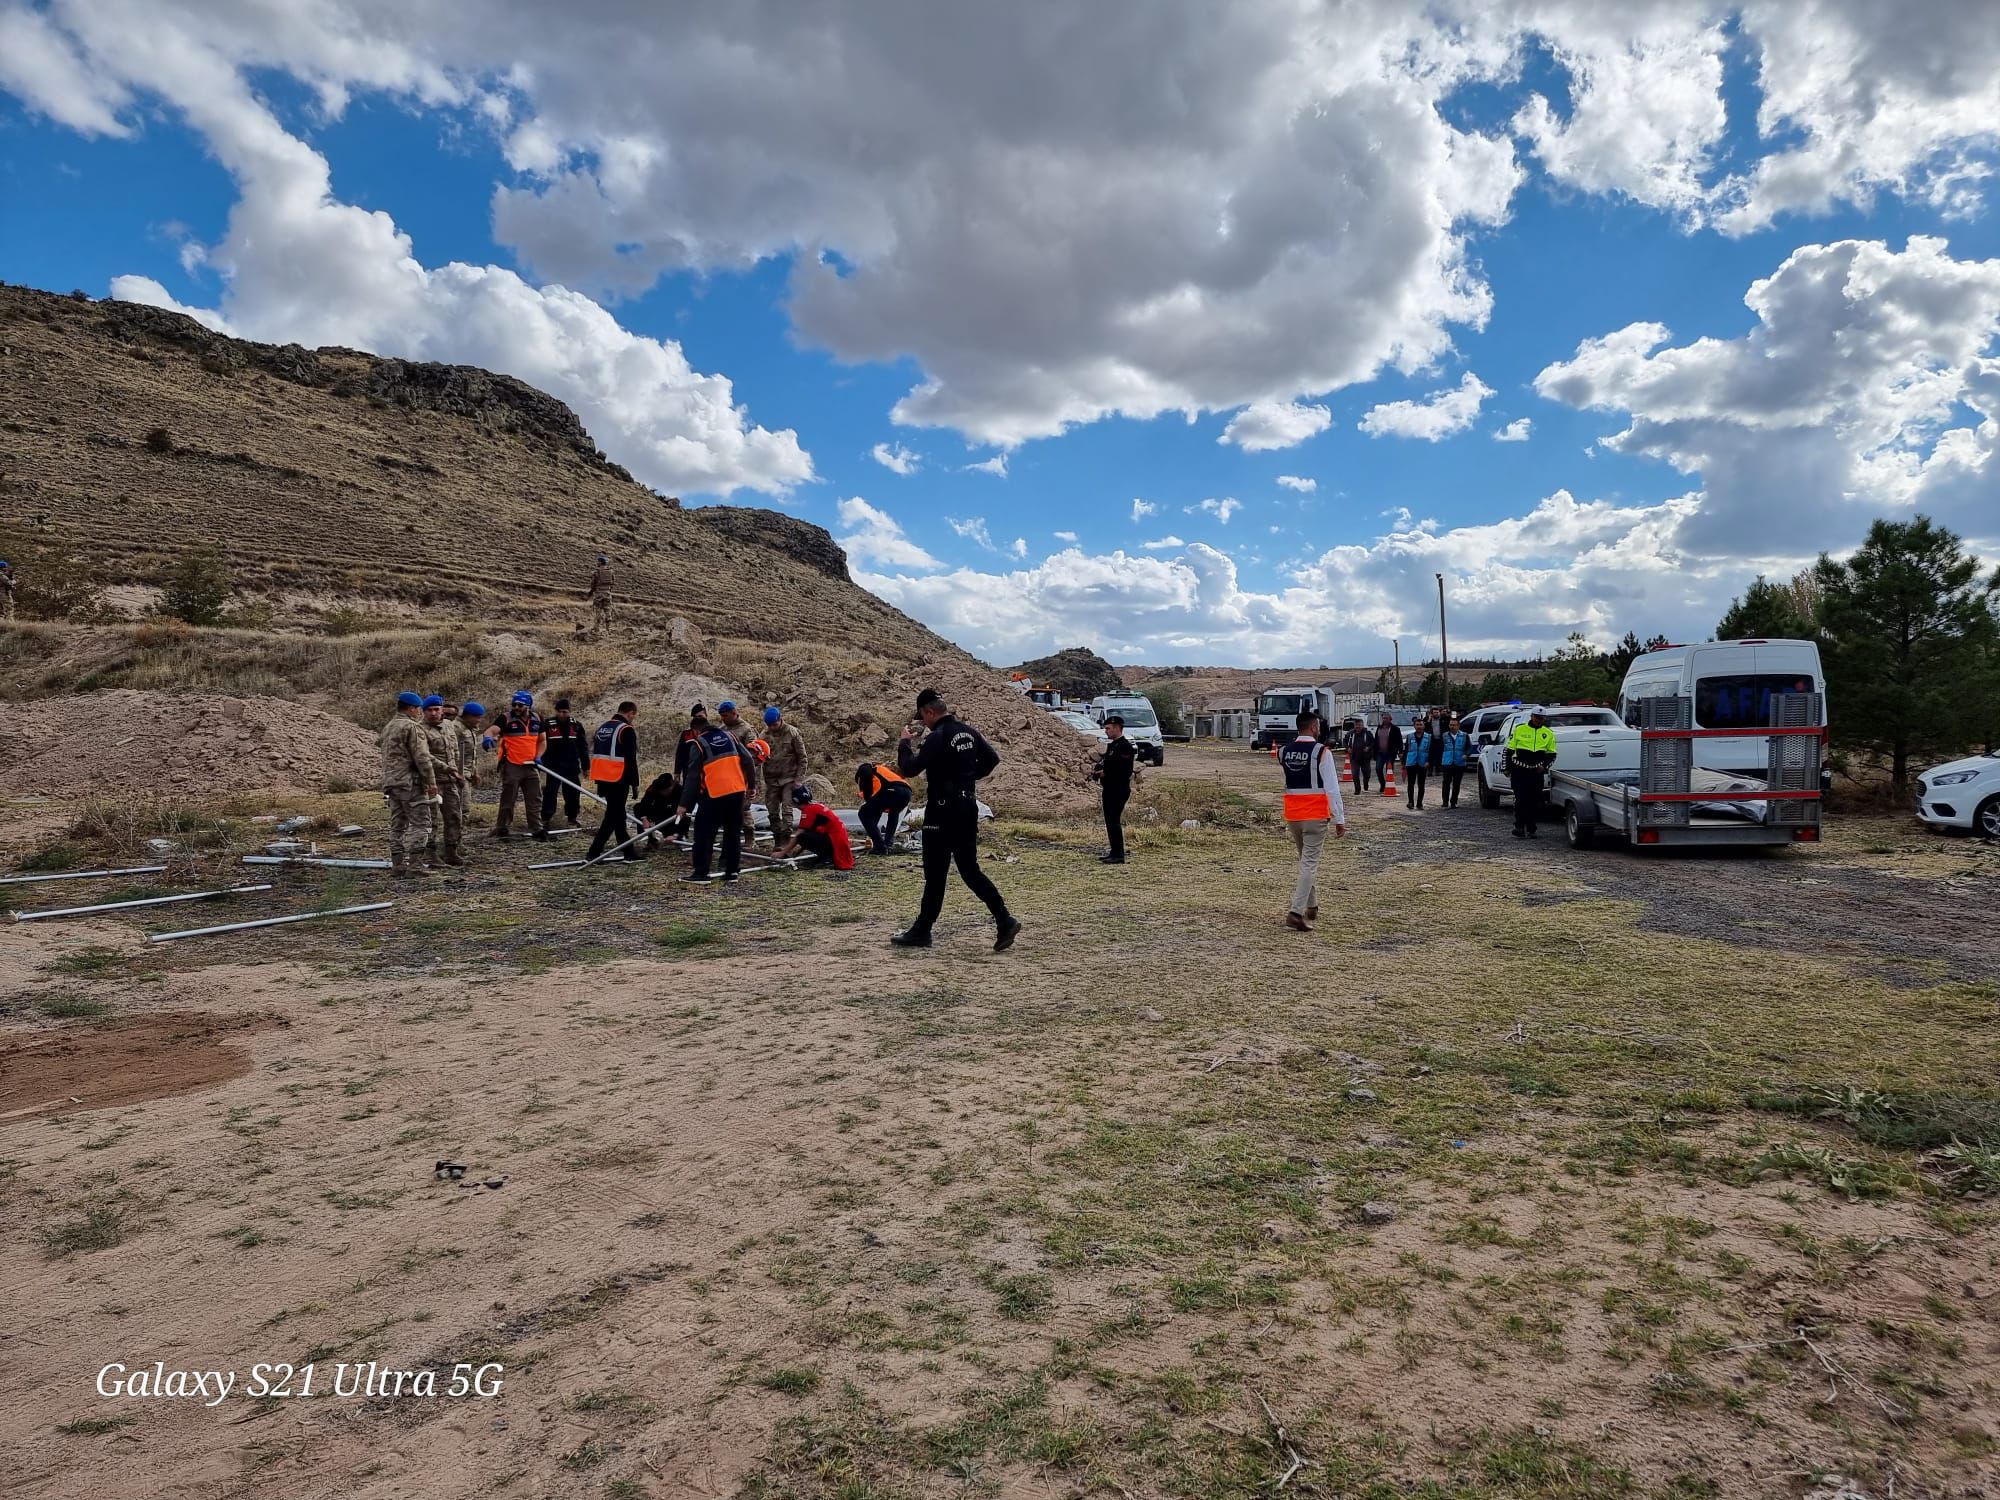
{"x": 820, "y": 833}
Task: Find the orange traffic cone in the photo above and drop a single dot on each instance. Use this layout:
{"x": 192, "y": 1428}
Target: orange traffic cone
{"x": 1347, "y": 769}
{"x": 1389, "y": 779}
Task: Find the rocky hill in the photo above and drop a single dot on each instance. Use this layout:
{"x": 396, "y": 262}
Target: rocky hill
{"x": 394, "y": 524}
{"x": 337, "y": 480}
{"x": 1077, "y": 672}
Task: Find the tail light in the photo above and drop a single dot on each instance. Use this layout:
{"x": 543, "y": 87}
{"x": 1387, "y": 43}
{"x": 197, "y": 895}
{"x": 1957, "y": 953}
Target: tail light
{"x": 1805, "y": 835}
{"x": 1648, "y": 836}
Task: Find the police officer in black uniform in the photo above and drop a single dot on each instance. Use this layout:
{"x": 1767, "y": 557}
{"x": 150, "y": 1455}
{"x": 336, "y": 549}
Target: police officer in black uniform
{"x": 952, "y": 759}
{"x": 564, "y": 753}
{"x": 1114, "y": 770}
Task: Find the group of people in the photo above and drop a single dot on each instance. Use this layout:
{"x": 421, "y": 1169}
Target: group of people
{"x": 433, "y": 760}
{"x": 1436, "y": 742}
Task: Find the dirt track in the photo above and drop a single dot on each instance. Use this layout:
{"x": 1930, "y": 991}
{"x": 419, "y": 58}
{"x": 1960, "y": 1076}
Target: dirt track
{"x": 784, "y": 1213}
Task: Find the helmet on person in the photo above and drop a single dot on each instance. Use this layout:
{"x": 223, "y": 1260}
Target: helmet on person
{"x": 473, "y": 709}
{"x": 408, "y": 700}
{"x": 760, "y": 750}
{"x": 433, "y": 700}
{"x": 524, "y": 700}
{"x": 602, "y": 558}
{"x": 771, "y": 714}
{"x": 801, "y": 795}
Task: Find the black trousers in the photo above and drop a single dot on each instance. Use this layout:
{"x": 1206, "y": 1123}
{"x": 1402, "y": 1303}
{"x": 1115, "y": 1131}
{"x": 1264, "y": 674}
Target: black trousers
{"x": 887, "y": 805}
{"x": 1448, "y": 793}
{"x": 1363, "y": 764}
{"x": 819, "y": 846}
{"x": 951, "y": 836}
{"x": 1115, "y": 798}
{"x": 1413, "y": 784}
{"x": 612, "y": 831}
{"x": 1527, "y": 787}
{"x": 572, "y": 799}
{"x": 713, "y": 815}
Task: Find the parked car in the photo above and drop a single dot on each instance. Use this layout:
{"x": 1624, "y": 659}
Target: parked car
{"x": 1962, "y": 794}
{"x": 1082, "y": 723}
{"x": 1590, "y": 741}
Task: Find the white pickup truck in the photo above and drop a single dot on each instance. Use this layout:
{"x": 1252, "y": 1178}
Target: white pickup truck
{"x": 1590, "y": 742}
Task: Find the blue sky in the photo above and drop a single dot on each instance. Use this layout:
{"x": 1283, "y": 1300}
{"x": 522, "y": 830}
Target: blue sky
{"x": 830, "y": 258}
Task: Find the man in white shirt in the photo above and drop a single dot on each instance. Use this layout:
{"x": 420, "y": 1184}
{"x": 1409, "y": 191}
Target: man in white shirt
{"x": 1312, "y": 801}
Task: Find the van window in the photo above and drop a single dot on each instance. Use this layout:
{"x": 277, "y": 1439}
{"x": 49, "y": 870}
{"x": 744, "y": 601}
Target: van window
{"x": 1743, "y": 700}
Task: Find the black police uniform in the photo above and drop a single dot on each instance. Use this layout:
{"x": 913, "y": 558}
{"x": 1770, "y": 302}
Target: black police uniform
{"x": 952, "y": 759}
{"x": 565, "y": 754}
{"x": 1119, "y": 757}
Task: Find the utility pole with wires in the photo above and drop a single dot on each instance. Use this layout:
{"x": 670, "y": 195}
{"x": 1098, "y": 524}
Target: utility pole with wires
{"x": 1444, "y": 646}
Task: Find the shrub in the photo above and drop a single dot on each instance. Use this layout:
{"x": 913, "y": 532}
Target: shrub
{"x": 158, "y": 633}
{"x": 159, "y": 440}
{"x": 345, "y": 620}
{"x": 51, "y": 581}
{"x": 253, "y": 614}
{"x": 198, "y": 587}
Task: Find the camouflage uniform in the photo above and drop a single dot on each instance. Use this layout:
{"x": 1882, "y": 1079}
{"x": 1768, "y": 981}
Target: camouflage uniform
{"x": 408, "y": 774}
{"x": 785, "y": 769}
{"x": 600, "y": 594}
{"x": 445, "y": 755}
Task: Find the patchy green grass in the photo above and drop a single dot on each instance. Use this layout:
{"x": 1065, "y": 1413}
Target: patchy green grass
{"x": 90, "y": 962}
{"x": 98, "y": 1226}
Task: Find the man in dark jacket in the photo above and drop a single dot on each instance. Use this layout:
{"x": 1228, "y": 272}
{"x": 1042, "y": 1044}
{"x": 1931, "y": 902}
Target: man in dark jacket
{"x": 567, "y": 748}
{"x": 952, "y": 758}
{"x": 614, "y": 766}
{"x": 717, "y": 784}
{"x": 697, "y": 722}
{"x": 659, "y": 811}
{"x": 1388, "y": 746}
{"x": 1114, "y": 770}
{"x": 1361, "y": 753}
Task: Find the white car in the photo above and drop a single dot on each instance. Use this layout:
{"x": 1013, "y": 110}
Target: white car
{"x": 1083, "y": 724}
{"x": 1962, "y": 794}
{"x": 1590, "y": 741}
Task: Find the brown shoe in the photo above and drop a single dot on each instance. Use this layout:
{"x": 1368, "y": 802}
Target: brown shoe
{"x": 1312, "y": 913}
{"x": 1296, "y": 922}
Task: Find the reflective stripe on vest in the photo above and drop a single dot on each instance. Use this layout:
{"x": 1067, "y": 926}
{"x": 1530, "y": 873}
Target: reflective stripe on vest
{"x": 520, "y": 745}
{"x": 1306, "y": 800}
{"x": 722, "y": 772}
{"x": 605, "y": 762}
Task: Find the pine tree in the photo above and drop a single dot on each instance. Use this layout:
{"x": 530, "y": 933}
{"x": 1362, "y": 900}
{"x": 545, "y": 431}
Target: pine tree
{"x": 1911, "y": 644}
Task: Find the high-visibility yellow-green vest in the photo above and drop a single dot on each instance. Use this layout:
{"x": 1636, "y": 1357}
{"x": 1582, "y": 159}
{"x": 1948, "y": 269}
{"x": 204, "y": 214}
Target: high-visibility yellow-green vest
{"x": 1530, "y": 740}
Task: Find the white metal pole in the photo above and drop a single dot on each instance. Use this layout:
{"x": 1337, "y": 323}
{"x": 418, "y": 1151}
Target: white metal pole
{"x": 81, "y": 874}
{"x": 312, "y": 859}
{"x": 304, "y": 916}
{"x": 80, "y": 911}
{"x": 557, "y": 775}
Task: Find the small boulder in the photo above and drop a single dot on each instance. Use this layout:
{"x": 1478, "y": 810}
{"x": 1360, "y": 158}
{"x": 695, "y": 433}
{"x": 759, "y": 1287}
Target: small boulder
{"x": 1375, "y": 1213}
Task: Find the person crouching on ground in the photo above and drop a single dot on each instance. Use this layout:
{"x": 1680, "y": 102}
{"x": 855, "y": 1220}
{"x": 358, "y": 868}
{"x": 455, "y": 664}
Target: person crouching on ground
{"x": 885, "y": 797}
{"x": 820, "y": 833}
{"x": 1312, "y": 801}
{"x": 659, "y": 811}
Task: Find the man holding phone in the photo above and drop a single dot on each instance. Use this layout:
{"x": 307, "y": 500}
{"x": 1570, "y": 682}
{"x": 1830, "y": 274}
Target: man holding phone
{"x": 952, "y": 756}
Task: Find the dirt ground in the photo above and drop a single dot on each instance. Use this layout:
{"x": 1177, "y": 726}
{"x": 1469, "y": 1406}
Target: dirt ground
{"x": 1530, "y": 1173}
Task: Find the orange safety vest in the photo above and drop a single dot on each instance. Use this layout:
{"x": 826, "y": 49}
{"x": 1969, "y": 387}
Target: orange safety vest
{"x": 521, "y": 744}
{"x": 889, "y": 776}
{"x": 722, "y": 772}
{"x": 609, "y": 766}
{"x": 1306, "y": 798}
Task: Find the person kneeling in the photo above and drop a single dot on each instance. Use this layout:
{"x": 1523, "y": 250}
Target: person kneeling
{"x": 820, "y": 834}
{"x": 659, "y": 811}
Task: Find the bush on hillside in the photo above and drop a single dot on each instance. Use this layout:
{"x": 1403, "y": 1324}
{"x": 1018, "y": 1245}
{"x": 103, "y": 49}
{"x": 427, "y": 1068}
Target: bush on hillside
{"x": 51, "y": 581}
{"x": 198, "y": 587}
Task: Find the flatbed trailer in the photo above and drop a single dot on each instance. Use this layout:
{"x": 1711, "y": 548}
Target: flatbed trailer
{"x": 1660, "y": 805}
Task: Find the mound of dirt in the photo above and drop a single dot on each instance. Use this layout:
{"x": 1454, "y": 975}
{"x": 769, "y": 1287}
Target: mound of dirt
{"x": 125, "y": 741}
{"x": 860, "y": 713}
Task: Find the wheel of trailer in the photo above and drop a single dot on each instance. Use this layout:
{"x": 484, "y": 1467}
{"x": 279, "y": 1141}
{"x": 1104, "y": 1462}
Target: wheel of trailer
{"x": 1575, "y": 829}
{"x": 1488, "y": 798}
{"x": 1986, "y": 822}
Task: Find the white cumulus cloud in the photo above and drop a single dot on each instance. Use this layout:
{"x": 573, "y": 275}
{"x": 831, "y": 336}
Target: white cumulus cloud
{"x": 973, "y": 529}
{"x": 896, "y": 459}
{"x": 1264, "y": 425}
{"x": 1163, "y": 543}
{"x": 1222, "y": 510}
{"x": 1143, "y": 508}
{"x": 996, "y": 466}
{"x": 1437, "y": 416}
{"x": 875, "y": 536}
{"x": 1295, "y": 482}
{"x": 1516, "y": 431}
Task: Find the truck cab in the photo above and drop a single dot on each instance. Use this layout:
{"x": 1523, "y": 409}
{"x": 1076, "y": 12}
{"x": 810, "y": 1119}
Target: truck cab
{"x": 1278, "y": 710}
